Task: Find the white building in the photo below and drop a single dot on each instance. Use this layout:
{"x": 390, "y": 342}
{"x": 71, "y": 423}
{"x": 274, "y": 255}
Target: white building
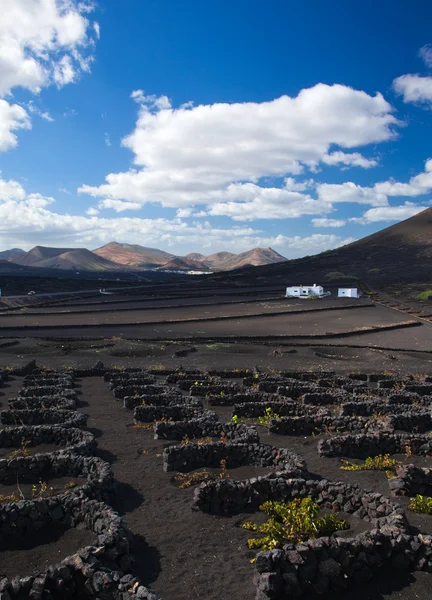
{"x": 348, "y": 293}
{"x": 304, "y": 291}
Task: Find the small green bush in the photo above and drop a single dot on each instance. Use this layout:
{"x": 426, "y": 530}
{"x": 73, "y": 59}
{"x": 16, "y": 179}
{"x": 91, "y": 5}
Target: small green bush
{"x": 426, "y": 295}
{"x": 421, "y": 504}
{"x": 291, "y": 523}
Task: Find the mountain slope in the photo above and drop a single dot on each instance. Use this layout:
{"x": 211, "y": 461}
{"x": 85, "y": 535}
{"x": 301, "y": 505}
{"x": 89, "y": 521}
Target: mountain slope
{"x": 400, "y": 253}
{"x": 11, "y": 254}
{"x": 77, "y": 260}
{"x": 133, "y": 255}
{"x": 185, "y": 264}
{"x": 38, "y": 254}
{"x": 225, "y": 261}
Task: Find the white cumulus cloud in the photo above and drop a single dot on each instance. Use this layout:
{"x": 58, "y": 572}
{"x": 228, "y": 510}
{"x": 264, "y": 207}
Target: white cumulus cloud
{"x": 389, "y": 213}
{"x": 334, "y": 193}
{"x": 27, "y": 220}
{"x": 194, "y": 155}
{"x": 42, "y": 42}
{"x": 323, "y": 222}
{"x": 414, "y": 88}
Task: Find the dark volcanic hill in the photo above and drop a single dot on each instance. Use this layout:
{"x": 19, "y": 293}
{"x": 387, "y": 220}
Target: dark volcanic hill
{"x": 68, "y": 259}
{"x": 11, "y": 254}
{"x": 195, "y": 256}
{"x": 79, "y": 259}
{"x": 400, "y": 253}
{"x": 227, "y": 261}
{"x": 252, "y": 258}
{"x": 33, "y": 257}
{"x": 185, "y": 264}
{"x": 133, "y": 255}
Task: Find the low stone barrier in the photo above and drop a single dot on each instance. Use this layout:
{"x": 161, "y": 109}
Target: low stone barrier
{"x": 86, "y": 574}
{"x": 423, "y": 389}
{"x": 281, "y": 407}
{"x": 158, "y": 400}
{"x": 227, "y": 496}
{"x": 67, "y": 439}
{"x": 378, "y": 407}
{"x": 137, "y": 381}
{"x": 44, "y": 416}
{"x": 97, "y": 473}
{"x": 195, "y": 456}
{"x": 364, "y": 445}
{"x": 411, "y": 480}
{"x": 148, "y": 414}
{"x": 316, "y": 424}
{"x": 323, "y": 397}
{"x": 227, "y": 389}
{"x": 206, "y": 426}
{"x": 231, "y": 399}
{"x": 138, "y": 390}
{"x": 42, "y": 402}
{"x": 64, "y": 381}
{"x": 404, "y": 397}
{"x": 46, "y": 390}
{"x": 335, "y": 563}
{"x": 298, "y": 389}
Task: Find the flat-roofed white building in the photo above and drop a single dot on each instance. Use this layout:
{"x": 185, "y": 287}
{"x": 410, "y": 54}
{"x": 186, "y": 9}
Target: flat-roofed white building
{"x": 304, "y": 290}
{"x": 348, "y": 293}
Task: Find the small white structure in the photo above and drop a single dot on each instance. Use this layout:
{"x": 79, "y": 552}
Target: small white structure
{"x": 348, "y": 293}
{"x": 301, "y": 291}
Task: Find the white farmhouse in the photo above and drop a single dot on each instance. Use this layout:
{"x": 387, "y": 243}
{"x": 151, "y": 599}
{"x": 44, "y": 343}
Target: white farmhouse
{"x": 348, "y": 293}
{"x": 304, "y": 291}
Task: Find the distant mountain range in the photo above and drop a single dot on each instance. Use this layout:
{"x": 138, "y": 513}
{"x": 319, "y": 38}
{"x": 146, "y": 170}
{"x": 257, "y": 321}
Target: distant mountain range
{"x": 132, "y": 257}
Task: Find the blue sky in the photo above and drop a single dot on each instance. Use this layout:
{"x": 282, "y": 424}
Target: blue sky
{"x": 198, "y": 126}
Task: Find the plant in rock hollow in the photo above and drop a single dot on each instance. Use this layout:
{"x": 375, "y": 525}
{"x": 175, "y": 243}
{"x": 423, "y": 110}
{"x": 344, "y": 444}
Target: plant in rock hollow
{"x": 382, "y": 462}
{"x": 22, "y": 451}
{"x": 267, "y": 417}
{"x": 291, "y": 522}
{"x": 421, "y": 504}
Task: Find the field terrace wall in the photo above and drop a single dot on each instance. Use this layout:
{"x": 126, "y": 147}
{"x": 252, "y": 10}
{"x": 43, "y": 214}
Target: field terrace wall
{"x": 76, "y": 575}
{"x": 378, "y": 407}
{"x": 161, "y": 400}
{"x": 281, "y": 407}
{"x": 364, "y": 445}
{"x": 46, "y": 390}
{"x": 327, "y": 563}
{"x": 206, "y": 426}
{"x": 138, "y": 390}
{"x": 317, "y": 424}
{"x": 411, "y": 480}
{"x": 232, "y": 399}
{"x": 67, "y": 439}
{"x": 213, "y": 389}
{"x": 42, "y": 402}
{"x": 194, "y": 456}
{"x": 99, "y": 482}
{"x": 43, "y": 416}
{"x": 148, "y": 414}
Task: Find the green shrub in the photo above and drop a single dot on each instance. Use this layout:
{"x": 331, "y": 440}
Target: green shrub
{"x": 426, "y": 295}
{"x": 421, "y": 504}
{"x": 291, "y": 523}
{"x": 382, "y": 462}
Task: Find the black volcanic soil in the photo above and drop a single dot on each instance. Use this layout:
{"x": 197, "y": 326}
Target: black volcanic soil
{"x": 183, "y": 554}
{"x": 36, "y": 552}
{"x": 6, "y": 452}
{"x": 56, "y": 485}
